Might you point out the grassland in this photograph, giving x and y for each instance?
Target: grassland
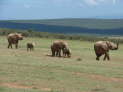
(22, 71)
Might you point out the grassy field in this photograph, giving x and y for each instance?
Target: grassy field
(22, 71)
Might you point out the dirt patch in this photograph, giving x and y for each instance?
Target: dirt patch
(104, 78)
(48, 55)
(15, 85)
(99, 77)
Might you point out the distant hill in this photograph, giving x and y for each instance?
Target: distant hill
(75, 26)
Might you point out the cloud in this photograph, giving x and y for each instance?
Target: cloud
(91, 2)
(114, 2)
(98, 2)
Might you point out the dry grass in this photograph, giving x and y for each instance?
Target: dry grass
(37, 71)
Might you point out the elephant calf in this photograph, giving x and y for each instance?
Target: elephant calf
(30, 46)
(103, 47)
(66, 52)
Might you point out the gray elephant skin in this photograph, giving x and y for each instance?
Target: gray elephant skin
(103, 47)
(57, 47)
(13, 38)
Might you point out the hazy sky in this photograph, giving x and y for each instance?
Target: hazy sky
(50, 9)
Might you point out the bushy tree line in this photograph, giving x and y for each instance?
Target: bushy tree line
(84, 37)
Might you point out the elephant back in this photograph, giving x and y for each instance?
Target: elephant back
(101, 45)
(60, 44)
(15, 36)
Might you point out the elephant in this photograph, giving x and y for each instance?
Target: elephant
(55, 50)
(30, 46)
(66, 52)
(57, 46)
(103, 47)
(13, 38)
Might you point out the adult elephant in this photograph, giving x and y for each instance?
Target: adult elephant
(13, 38)
(103, 47)
(57, 46)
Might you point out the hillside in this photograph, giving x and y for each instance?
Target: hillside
(84, 23)
(75, 26)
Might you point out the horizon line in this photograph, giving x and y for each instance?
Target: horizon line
(63, 18)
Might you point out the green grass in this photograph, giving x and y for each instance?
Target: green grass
(22, 71)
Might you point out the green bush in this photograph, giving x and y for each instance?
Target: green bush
(84, 37)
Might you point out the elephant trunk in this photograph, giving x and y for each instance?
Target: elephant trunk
(117, 46)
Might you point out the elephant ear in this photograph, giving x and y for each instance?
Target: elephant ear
(109, 45)
(19, 36)
(16, 35)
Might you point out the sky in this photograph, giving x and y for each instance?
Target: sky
(52, 9)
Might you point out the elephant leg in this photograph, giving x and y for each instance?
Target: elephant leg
(11, 46)
(105, 57)
(59, 52)
(53, 52)
(98, 56)
(63, 54)
(68, 55)
(107, 54)
(8, 45)
(16, 46)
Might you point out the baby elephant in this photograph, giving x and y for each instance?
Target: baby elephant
(30, 46)
(66, 52)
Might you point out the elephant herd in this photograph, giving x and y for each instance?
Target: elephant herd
(60, 47)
